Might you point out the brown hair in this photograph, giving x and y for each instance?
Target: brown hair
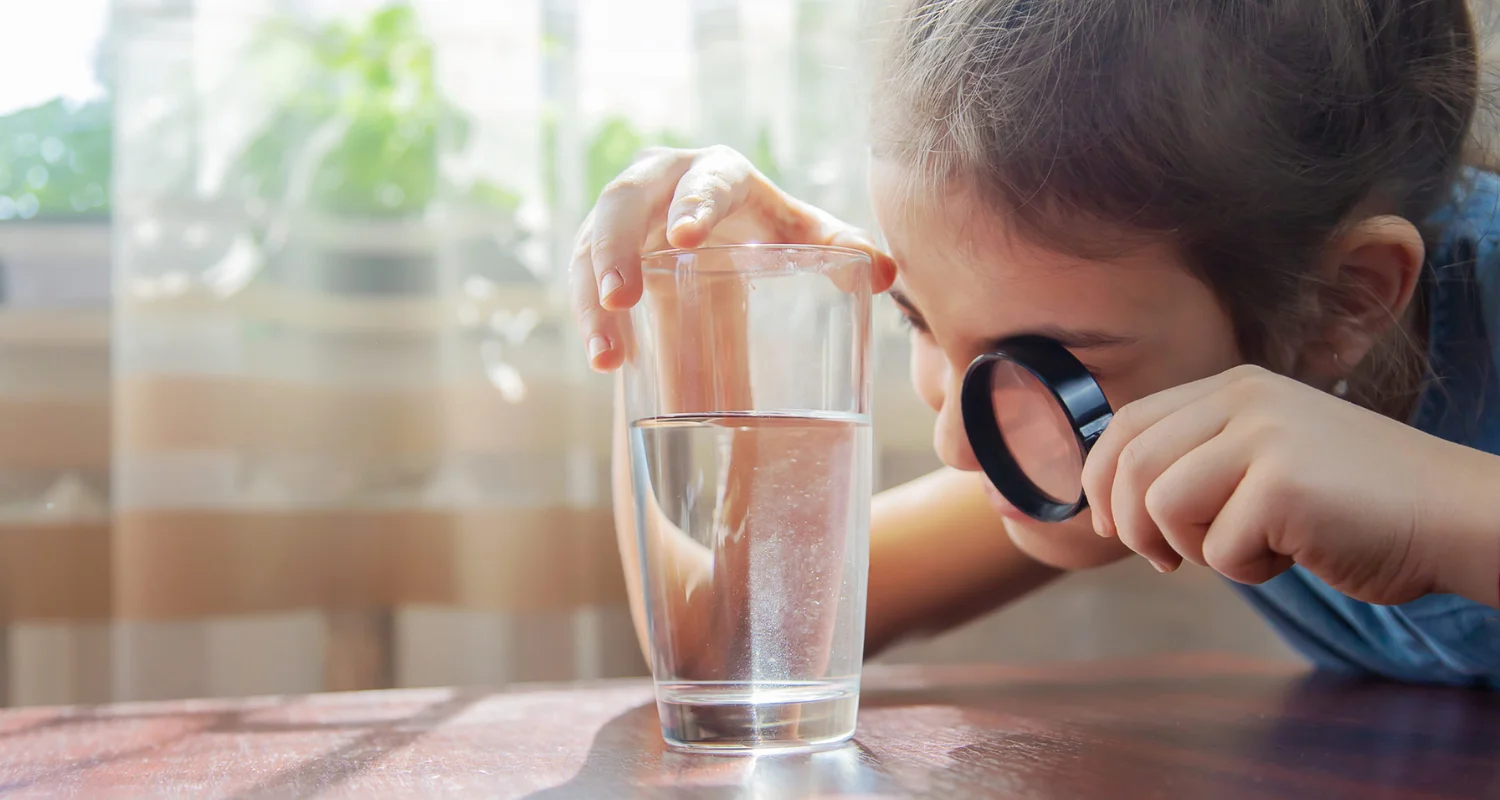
(1247, 131)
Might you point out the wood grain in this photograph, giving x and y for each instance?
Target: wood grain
(1184, 727)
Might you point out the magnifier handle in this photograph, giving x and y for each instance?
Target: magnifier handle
(1092, 431)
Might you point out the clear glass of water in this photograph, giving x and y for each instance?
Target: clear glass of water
(747, 386)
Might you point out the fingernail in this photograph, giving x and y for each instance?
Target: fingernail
(686, 219)
(609, 284)
(597, 346)
(1160, 567)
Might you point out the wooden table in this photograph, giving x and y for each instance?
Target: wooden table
(1186, 727)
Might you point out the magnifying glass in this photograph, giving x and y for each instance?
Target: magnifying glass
(1032, 412)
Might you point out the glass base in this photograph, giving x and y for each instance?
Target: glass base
(784, 716)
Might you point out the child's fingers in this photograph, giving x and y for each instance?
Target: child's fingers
(1190, 494)
(623, 218)
(883, 267)
(1145, 458)
(1236, 545)
(1129, 422)
(600, 329)
(717, 185)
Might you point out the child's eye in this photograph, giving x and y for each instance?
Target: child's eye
(912, 323)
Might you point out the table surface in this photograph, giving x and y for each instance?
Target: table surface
(1181, 727)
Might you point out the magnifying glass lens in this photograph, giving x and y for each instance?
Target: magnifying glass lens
(1036, 431)
(1031, 412)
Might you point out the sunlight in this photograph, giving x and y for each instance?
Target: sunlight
(51, 53)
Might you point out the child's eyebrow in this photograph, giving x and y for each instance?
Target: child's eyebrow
(1073, 339)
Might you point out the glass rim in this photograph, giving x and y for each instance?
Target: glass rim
(765, 246)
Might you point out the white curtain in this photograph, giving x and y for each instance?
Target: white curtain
(340, 433)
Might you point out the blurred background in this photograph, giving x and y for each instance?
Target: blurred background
(290, 398)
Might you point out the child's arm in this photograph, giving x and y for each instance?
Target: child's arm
(940, 556)
(1469, 530)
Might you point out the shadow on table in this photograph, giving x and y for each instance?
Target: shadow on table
(371, 740)
(1222, 737)
(629, 759)
(1397, 740)
(354, 757)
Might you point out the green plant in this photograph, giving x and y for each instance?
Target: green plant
(362, 123)
(55, 161)
(763, 155)
(614, 145)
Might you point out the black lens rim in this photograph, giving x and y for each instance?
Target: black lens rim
(1072, 387)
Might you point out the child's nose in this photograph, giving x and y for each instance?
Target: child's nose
(949, 438)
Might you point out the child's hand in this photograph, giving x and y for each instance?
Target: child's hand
(1248, 472)
(685, 198)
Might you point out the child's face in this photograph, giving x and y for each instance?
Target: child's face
(1141, 323)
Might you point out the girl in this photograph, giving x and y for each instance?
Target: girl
(1251, 222)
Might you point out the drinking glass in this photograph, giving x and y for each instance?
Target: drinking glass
(747, 392)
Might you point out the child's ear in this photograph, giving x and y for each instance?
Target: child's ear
(1371, 277)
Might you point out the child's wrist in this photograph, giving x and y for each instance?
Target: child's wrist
(1468, 531)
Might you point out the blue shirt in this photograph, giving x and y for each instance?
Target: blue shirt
(1441, 639)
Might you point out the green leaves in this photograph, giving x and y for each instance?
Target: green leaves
(763, 156)
(358, 130)
(614, 145)
(368, 119)
(55, 161)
